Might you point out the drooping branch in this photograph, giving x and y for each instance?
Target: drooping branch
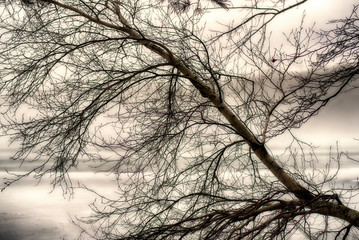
(258, 148)
(172, 76)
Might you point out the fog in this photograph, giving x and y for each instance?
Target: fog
(34, 210)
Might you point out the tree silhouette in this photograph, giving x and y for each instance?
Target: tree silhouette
(145, 90)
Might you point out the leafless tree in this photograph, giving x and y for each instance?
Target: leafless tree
(184, 110)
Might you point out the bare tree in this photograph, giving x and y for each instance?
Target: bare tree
(146, 90)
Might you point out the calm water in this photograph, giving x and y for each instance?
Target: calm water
(49, 212)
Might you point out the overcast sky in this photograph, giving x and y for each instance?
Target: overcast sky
(338, 120)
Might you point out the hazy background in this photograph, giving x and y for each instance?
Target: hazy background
(32, 210)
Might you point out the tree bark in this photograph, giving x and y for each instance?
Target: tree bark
(316, 204)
